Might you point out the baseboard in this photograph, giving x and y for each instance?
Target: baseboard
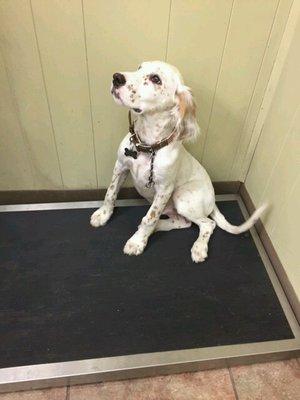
(273, 256)
(53, 196)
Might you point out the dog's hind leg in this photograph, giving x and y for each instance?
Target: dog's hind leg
(195, 205)
(200, 247)
(174, 221)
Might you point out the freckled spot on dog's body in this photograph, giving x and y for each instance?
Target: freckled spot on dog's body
(153, 214)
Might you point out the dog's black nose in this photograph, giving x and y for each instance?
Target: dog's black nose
(118, 80)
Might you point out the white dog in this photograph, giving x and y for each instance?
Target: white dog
(162, 169)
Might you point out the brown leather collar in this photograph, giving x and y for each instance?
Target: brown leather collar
(146, 148)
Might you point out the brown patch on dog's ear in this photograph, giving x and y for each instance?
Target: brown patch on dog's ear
(182, 104)
(187, 113)
(193, 108)
(186, 104)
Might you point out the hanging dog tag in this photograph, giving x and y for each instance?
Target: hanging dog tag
(130, 153)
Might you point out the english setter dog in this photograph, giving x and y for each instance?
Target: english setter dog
(163, 171)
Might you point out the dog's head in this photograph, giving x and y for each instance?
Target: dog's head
(155, 87)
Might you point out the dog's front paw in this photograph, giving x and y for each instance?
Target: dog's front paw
(100, 216)
(134, 246)
(199, 252)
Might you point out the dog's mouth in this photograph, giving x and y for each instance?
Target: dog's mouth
(115, 93)
(117, 96)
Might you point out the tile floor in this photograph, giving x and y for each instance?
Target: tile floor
(269, 381)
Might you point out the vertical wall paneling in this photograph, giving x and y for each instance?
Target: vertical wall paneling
(277, 124)
(286, 169)
(15, 169)
(248, 34)
(286, 41)
(196, 41)
(119, 35)
(248, 135)
(59, 28)
(285, 236)
(60, 56)
(20, 52)
(274, 173)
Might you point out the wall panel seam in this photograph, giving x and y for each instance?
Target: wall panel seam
(89, 90)
(168, 30)
(46, 95)
(253, 93)
(217, 81)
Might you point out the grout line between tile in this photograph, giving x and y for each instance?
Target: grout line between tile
(68, 393)
(233, 383)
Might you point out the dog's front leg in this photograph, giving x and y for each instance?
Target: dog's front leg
(137, 243)
(102, 215)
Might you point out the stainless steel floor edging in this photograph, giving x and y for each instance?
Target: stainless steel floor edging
(140, 365)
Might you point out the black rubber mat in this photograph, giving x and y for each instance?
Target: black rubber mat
(67, 292)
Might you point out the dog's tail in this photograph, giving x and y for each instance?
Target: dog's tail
(221, 221)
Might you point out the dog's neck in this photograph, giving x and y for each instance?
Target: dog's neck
(154, 127)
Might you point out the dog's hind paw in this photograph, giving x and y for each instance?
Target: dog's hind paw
(199, 252)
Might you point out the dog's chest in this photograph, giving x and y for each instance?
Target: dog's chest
(140, 172)
(140, 167)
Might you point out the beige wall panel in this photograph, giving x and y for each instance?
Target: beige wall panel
(284, 173)
(60, 33)
(120, 34)
(274, 174)
(277, 124)
(60, 64)
(15, 170)
(286, 236)
(238, 169)
(249, 30)
(196, 41)
(21, 57)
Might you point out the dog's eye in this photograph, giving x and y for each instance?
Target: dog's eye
(155, 79)
(139, 67)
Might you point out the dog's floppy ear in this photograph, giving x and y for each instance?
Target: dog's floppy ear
(188, 126)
